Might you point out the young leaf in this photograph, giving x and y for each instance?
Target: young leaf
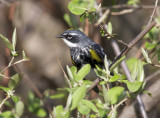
(77, 7)
(133, 86)
(104, 90)
(68, 20)
(83, 109)
(117, 63)
(77, 96)
(5, 89)
(24, 55)
(7, 42)
(89, 104)
(109, 28)
(41, 113)
(114, 78)
(58, 111)
(83, 72)
(14, 81)
(15, 99)
(74, 72)
(150, 46)
(14, 40)
(114, 113)
(114, 94)
(57, 96)
(145, 54)
(69, 100)
(19, 108)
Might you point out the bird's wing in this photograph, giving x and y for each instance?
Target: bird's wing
(97, 54)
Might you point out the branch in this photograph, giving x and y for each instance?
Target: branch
(135, 41)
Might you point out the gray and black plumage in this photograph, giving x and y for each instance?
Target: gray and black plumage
(83, 50)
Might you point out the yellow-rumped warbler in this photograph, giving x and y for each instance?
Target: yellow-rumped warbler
(83, 50)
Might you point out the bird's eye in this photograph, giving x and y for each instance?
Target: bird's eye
(69, 36)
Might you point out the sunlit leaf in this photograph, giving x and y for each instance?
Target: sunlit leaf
(57, 96)
(109, 28)
(113, 94)
(19, 108)
(77, 7)
(83, 109)
(89, 104)
(133, 86)
(83, 72)
(7, 42)
(77, 96)
(145, 54)
(15, 99)
(14, 39)
(15, 80)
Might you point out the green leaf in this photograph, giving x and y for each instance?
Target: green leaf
(41, 113)
(69, 100)
(68, 20)
(133, 86)
(6, 114)
(149, 94)
(19, 108)
(77, 96)
(59, 112)
(14, 39)
(104, 90)
(83, 109)
(57, 96)
(130, 62)
(114, 113)
(133, 2)
(5, 89)
(83, 72)
(89, 104)
(109, 28)
(136, 68)
(24, 55)
(114, 94)
(7, 42)
(145, 54)
(77, 7)
(114, 78)
(74, 71)
(15, 80)
(106, 65)
(150, 46)
(15, 99)
(117, 63)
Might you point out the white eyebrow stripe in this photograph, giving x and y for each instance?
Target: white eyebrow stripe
(69, 43)
(73, 33)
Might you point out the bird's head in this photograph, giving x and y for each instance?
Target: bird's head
(74, 38)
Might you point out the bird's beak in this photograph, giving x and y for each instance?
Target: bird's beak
(59, 36)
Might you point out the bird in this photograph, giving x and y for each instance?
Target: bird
(83, 51)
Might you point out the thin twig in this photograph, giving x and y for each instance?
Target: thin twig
(135, 41)
(126, 11)
(117, 105)
(151, 17)
(124, 6)
(65, 75)
(1, 75)
(4, 101)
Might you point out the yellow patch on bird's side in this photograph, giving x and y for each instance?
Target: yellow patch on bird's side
(95, 56)
(72, 61)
